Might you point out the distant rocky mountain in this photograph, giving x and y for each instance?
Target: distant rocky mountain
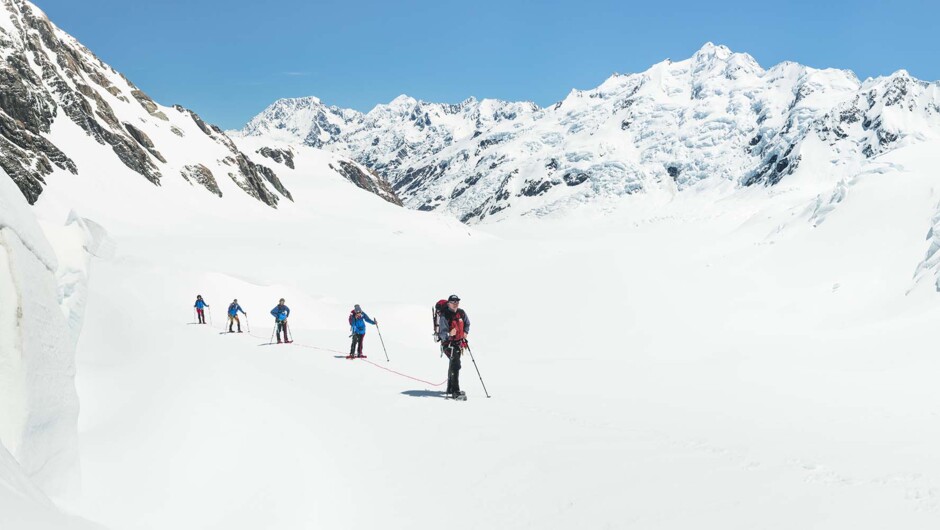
(717, 116)
(47, 76)
(54, 90)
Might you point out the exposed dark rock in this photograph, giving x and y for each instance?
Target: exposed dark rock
(148, 105)
(471, 180)
(538, 187)
(415, 177)
(885, 137)
(673, 172)
(271, 177)
(144, 141)
(200, 174)
(852, 115)
(281, 156)
(250, 180)
(367, 181)
(201, 124)
(774, 168)
(575, 178)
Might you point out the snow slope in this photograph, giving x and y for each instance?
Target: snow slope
(694, 360)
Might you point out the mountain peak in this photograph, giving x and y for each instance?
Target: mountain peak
(403, 100)
(711, 50)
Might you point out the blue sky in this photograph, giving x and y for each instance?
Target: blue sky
(228, 60)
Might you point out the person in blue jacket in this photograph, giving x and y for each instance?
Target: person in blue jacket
(200, 309)
(357, 325)
(233, 310)
(280, 313)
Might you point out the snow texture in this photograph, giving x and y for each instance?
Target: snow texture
(38, 401)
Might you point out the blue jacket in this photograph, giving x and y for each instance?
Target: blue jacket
(280, 312)
(200, 304)
(358, 325)
(234, 308)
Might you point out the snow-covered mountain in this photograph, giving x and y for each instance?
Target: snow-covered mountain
(55, 93)
(717, 116)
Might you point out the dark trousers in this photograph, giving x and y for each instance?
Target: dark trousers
(281, 326)
(202, 316)
(356, 339)
(452, 350)
(235, 320)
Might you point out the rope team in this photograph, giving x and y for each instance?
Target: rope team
(451, 328)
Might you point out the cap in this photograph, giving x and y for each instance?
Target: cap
(453, 298)
(357, 308)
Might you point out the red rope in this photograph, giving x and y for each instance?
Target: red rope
(344, 353)
(403, 375)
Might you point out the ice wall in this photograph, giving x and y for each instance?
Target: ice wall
(38, 401)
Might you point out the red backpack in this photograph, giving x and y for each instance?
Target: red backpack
(436, 313)
(456, 323)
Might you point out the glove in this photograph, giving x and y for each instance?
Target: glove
(376, 321)
(452, 332)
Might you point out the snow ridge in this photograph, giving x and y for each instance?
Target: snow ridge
(717, 116)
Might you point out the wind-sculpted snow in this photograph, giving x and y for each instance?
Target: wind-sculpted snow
(38, 401)
(717, 116)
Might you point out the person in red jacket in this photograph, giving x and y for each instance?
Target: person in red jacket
(452, 326)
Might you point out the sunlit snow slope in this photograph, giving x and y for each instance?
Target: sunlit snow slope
(679, 361)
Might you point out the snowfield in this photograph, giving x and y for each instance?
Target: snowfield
(702, 359)
(703, 296)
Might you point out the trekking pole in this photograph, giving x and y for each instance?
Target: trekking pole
(478, 370)
(273, 331)
(434, 321)
(247, 325)
(287, 333)
(195, 316)
(377, 328)
(210, 318)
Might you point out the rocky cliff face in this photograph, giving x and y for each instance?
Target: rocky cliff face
(718, 116)
(46, 76)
